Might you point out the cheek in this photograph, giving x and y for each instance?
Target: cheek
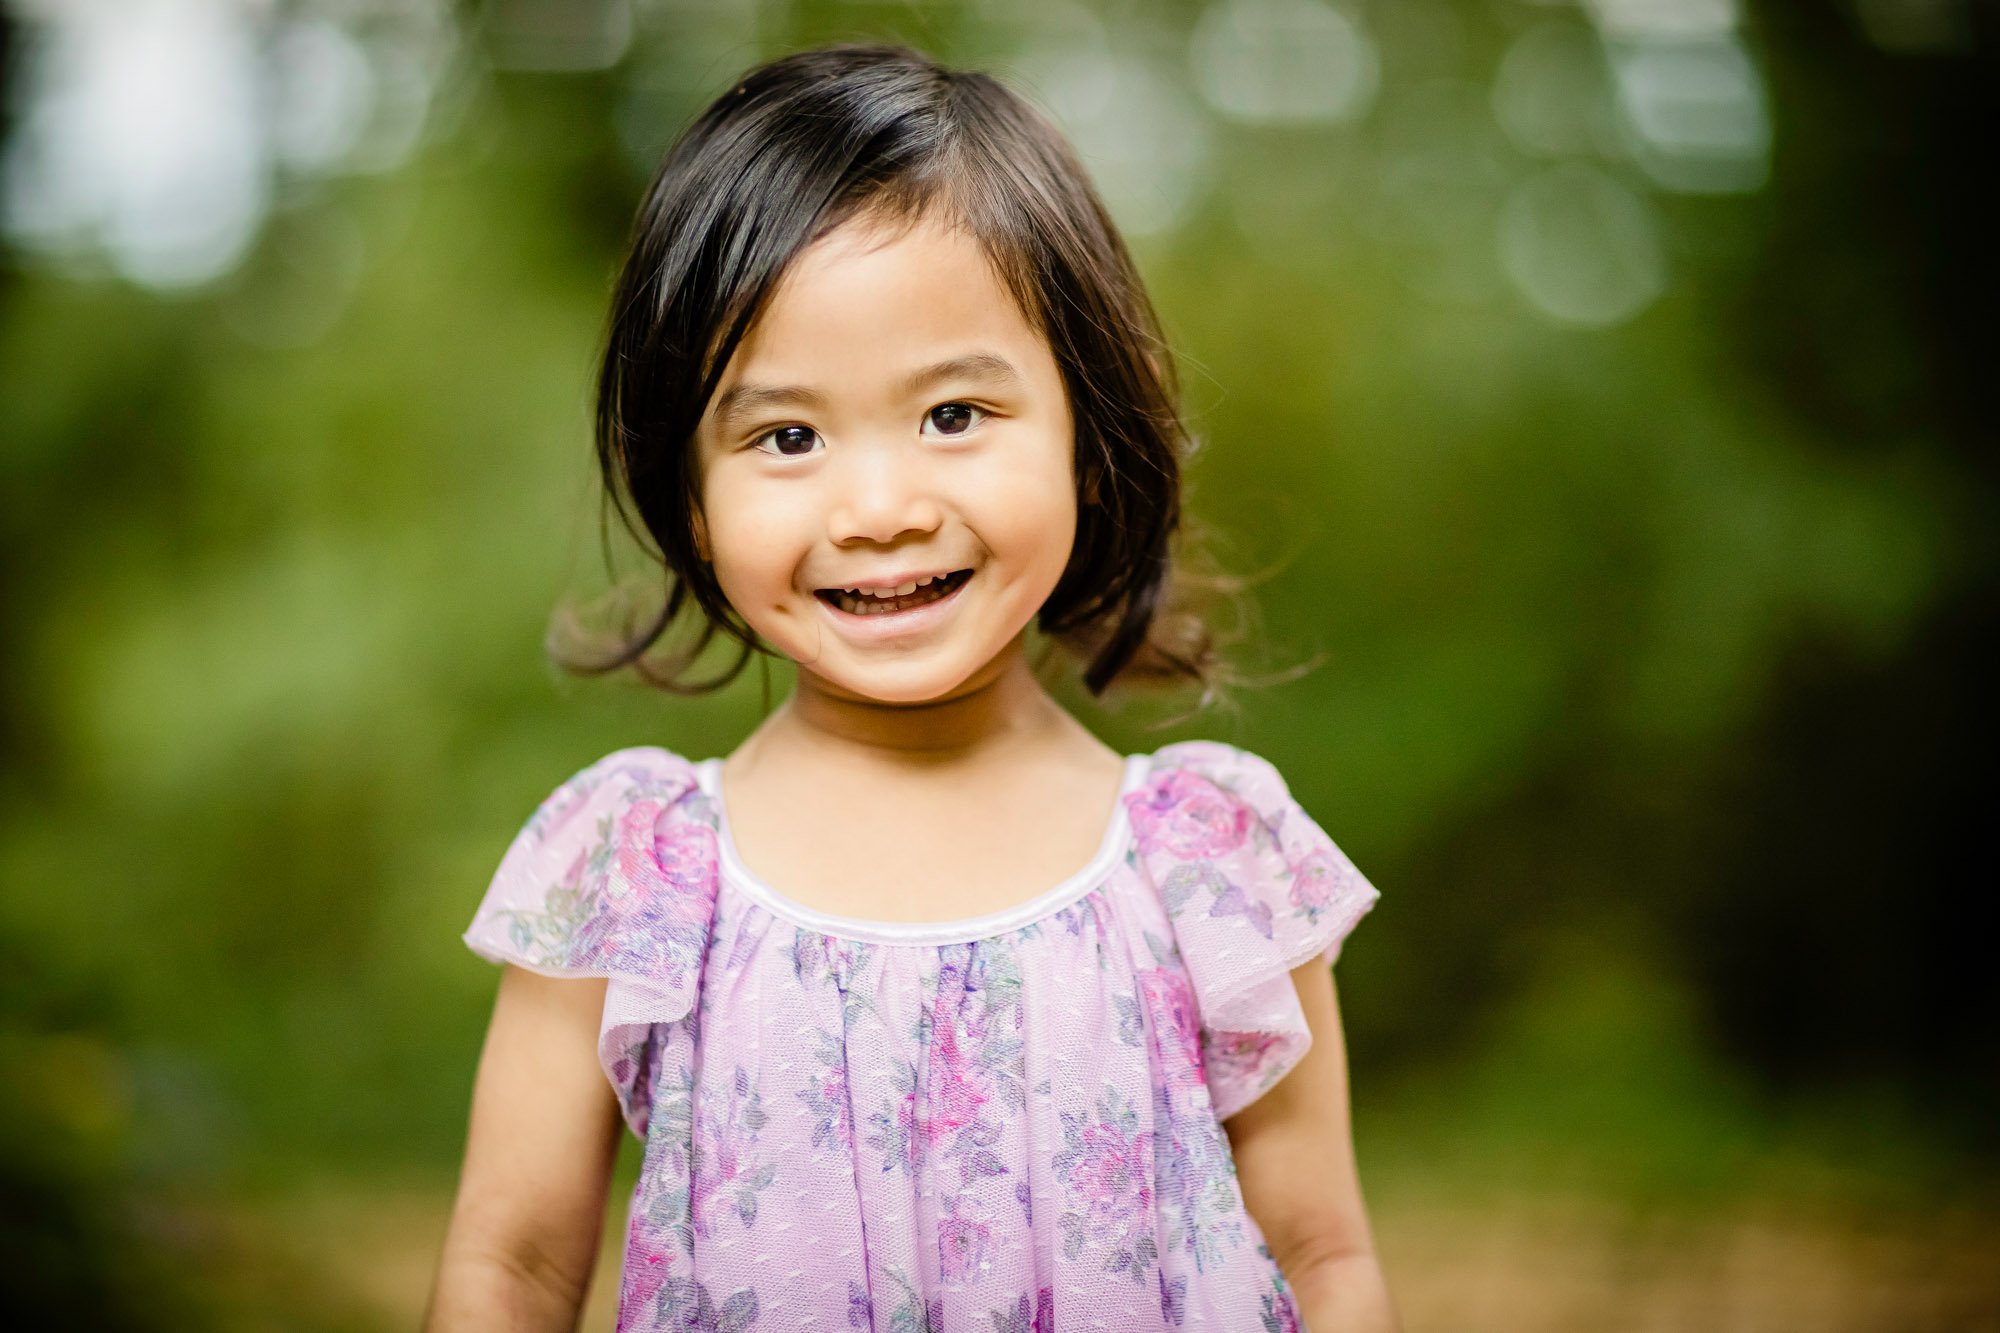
(751, 544)
(1027, 518)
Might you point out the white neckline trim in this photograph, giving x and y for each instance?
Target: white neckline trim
(708, 775)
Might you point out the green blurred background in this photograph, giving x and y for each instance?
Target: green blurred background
(1603, 390)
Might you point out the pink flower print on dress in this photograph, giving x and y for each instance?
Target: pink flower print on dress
(658, 903)
(674, 869)
(958, 1086)
(1237, 1056)
(634, 849)
(1187, 816)
(1106, 1171)
(1314, 880)
(974, 1064)
(963, 1242)
(1176, 1023)
(647, 1268)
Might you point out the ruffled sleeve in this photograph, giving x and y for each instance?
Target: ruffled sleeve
(1254, 889)
(613, 876)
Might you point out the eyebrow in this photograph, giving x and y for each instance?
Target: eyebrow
(988, 366)
(744, 400)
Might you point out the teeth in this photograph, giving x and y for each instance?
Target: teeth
(882, 600)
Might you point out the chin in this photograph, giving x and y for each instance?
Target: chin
(904, 684)
(907, 692)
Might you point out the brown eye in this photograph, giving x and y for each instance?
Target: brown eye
(951, 419)
(790, 441)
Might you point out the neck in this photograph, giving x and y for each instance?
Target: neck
(1002, 703)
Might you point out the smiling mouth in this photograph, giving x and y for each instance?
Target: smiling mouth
(879, 601)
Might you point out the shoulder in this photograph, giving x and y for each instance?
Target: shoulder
(1201, 798)
(643, 769)
(1253, 888)
(1203, 801)
(613, 875)
(1247, 776)
(621, 779)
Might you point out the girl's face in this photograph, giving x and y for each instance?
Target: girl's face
(887, 494)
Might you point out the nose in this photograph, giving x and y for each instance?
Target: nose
(883, 495)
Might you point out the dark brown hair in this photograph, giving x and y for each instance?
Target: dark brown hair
(796, 148)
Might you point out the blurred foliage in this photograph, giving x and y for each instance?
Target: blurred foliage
(1655, 656)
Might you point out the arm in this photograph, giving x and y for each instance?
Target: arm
(1295, 1163)
(524, 1232)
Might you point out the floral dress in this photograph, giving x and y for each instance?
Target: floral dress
(1008, 1124)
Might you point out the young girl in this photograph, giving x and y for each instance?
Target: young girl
(882, 387)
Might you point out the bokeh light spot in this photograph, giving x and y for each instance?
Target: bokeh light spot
(141, 135)
(1145, 142)
(1283, 61)
(154, 134)
(1552, 93)
(1443, 176)
(323, 92)
(1696, 112)
(1582, 248)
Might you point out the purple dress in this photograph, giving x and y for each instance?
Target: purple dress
(1007, 1124)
